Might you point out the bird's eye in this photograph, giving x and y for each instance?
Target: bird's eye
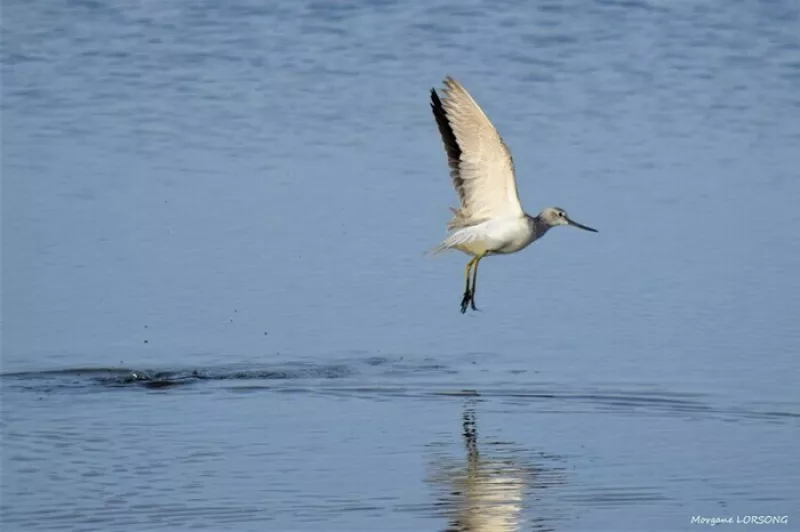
(561, 213)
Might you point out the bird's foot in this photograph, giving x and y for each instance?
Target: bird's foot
(472, 302)
(465, 301)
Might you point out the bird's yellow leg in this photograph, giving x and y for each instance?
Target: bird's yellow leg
(477, 259)
(467, 271)
(467, 292)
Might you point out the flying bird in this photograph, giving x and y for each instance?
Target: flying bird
(490, 220)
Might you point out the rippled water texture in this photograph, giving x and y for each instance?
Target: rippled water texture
(217, 312)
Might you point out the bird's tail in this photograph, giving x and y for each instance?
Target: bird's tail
(460, 232)
(439, 249)
(445, 245)
(454, 239)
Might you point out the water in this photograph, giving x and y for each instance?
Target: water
(217, 313)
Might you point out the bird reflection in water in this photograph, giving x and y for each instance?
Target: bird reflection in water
(485, 494)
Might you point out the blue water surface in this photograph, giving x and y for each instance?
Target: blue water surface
(218, 312)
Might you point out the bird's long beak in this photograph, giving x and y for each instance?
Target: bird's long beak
(580, 226)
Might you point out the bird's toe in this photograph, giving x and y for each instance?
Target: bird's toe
(465, 302)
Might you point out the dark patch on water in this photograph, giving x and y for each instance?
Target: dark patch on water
(383, 378)
(125, 377)
(120, 377)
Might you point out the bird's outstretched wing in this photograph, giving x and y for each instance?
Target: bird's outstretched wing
(480, 163)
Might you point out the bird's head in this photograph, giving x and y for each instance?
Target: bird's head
(554, 216)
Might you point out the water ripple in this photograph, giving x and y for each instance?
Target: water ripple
(382, 378)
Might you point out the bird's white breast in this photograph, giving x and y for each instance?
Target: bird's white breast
(515, 234)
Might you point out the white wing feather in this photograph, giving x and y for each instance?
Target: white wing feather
(481, 165)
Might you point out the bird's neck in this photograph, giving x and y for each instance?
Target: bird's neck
(537, 225)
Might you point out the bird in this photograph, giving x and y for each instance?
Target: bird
(490, 219)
